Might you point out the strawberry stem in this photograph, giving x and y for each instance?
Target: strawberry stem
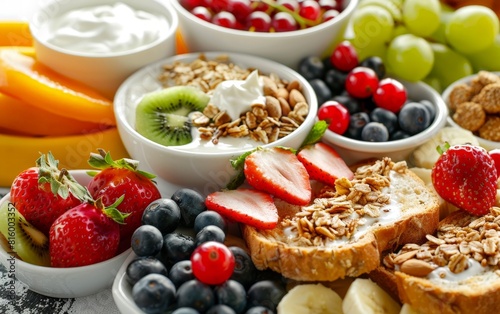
(103, 160)
(112, 210)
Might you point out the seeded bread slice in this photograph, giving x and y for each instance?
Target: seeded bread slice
(474, 290)
(408, 212)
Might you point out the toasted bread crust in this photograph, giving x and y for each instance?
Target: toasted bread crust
(477, 294)
(271, 249)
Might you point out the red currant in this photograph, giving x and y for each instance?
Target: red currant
(292, 5)
(361, 82)
(330, 14)
(191, 4)
(224, 19)
(241, 9)
(344, 56)
(310, 9)
(336, 115)
(495, 155)
(202, 13)
(329, 5)
(259, 21)
(284, 22)
(390, 94)
(212, 263)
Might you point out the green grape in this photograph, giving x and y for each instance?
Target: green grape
(472, 28)
(449, 65)
(421, 16)
(487, 59)
(399, 30)
(409, 57)
(372, 24)
(369, 48)
(439, 34)
(434, 83)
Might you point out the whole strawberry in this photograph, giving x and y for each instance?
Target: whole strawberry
(86, 234)
(122, 178)
(42, 193)
(466, 176)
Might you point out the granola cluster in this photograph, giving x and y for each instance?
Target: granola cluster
(284, 111)
(476, 106)
(338, 212)
(452, 247)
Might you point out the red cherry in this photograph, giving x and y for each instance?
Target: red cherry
(495, 155)
(361, 82)
(344, 56)
(212, 263)
(336, 115)
(390, 94)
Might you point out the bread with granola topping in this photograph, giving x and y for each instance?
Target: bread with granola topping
(455, 271)
(344, 231)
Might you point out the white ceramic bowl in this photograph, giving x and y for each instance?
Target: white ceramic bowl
(204, 171)
(287, 48)
(353, 151)
(72, 282)
(487, 144)
(102, 71)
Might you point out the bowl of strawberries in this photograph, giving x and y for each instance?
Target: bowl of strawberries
(65, 233)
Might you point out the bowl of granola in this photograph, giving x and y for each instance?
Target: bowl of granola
(474, 105)
(185, 117)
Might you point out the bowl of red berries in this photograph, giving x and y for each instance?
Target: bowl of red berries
(65, 234)
(370, 113)
(284, 31)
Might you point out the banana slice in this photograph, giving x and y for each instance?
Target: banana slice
(312, 299)
(366, 297)
(425, 155)
(407, 309)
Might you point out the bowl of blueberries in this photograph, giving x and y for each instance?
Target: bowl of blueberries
(187, 259)
(369, 113)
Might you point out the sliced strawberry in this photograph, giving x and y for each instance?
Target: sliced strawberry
(247, 206)
(279, 172)
(466, 176)
(323, 163)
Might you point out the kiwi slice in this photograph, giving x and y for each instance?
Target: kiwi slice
(163, 116)
(23, 239)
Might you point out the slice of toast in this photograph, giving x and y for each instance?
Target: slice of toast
(344, 231)
(455, 271)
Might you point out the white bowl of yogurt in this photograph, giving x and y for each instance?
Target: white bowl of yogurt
(101, 42)
(202, 164)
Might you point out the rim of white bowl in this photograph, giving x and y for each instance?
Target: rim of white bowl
(119, 100)
(172, 19)
(446, 95)
(413, 141)
(345, 12)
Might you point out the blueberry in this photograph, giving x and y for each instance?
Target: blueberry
(335, 80)
(207, 218)
(357, 122)
(147, 240)
(191, 203)
(162, 213)
(232, 294)
(154, 293)
(375, 132)
(209, 233)
(185, 310)
(376, 64)
(327, 63)
(220, 309)
(322, 91)
(142, 266)
(266, 293)
(258, 310)
(244, 269)
(195, 294)
(414, 118)
(181, 272)
(431, 108)
(386, 117)
(176, 247)
(311, 67)
(399, 135)
(352, 104)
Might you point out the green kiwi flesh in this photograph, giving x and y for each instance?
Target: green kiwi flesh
(29, 243)
(163, 116)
